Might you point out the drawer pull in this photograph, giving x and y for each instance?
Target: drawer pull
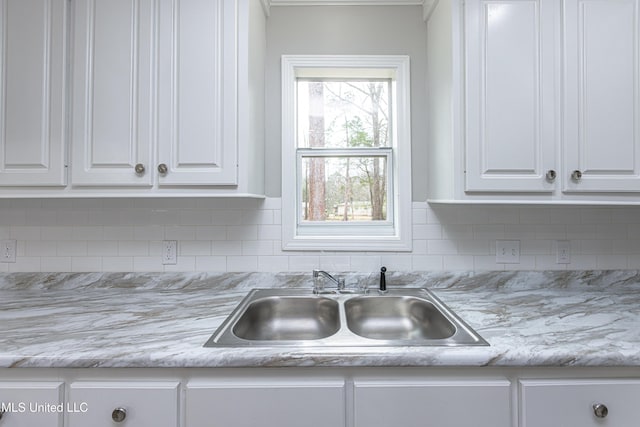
(119, 414)
(600, 410)
(576, 175)
(163, 169)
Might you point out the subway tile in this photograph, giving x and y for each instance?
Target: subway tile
(86, 264)
(426, 262)
(242, 263)
(211, 263)
(273, 264)
(458, 262)
(335, 263)
(180, 232)
(118, 263)
(194, 248)
(269, 232)
(55, 264)
(257, 247)
(133, 248)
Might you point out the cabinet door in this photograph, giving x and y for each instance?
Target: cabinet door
(602, 95)
(113, 92)
(419, 403)
(571, 403)
(276, 403)
(198, 90)
(511, 100)
(32, 85)
(31, 404)
(99, 404)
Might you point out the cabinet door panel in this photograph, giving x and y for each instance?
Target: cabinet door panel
(309, 403)
(432, 403)
(197, 138)
(511, 57)
(31, 404)
(570, 403)
(602, 85)
(113, 92)
(146, 404)
(32, 84)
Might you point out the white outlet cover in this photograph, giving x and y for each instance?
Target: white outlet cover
(8, 251)
(508, 251)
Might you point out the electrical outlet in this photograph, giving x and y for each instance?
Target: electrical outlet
(8, 251)
(169, 252)
(563, 252)
(508, 251)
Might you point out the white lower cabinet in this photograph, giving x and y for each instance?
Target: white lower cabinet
(579, 402)
(433, 403)
(31, 404)
(300, 402)
(127, 403)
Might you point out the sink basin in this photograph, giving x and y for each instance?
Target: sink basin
(297, 317)
(397, 317)
(288, 318)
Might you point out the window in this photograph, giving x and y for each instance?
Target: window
(346, 156)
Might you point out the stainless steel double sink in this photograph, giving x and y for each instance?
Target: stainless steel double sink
(297, 317)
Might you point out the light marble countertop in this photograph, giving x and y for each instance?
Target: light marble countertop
(162, 320)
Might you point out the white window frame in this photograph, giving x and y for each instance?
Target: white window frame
(393, 235)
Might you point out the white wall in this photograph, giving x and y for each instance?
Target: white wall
(390, 30)
(244, 235)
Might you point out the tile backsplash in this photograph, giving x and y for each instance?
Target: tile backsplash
(218, 235)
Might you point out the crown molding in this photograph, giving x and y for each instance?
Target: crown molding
(428, 7)
(266, 6)
(270, 3)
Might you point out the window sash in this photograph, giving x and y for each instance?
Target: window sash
(355, 228)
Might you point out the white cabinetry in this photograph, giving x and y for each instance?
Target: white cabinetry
(113, 91)
(511, 51)
(534, 101)
(129, 403)
(437, 403)
(165, 97)
(197, 138)
(306, 402)
(585, 403)
(32, 92)
(602, 95)
(31, 404)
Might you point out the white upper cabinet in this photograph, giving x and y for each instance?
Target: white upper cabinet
(510, 94)
(602, 95)
(534, 101)
(32, 92)
(198, 86)
(113, 77)
(164, 98)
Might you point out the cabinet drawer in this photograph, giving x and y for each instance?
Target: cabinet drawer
(31, 404)
(445, 403)
(277, 403)
(99, 404)
(547, 403)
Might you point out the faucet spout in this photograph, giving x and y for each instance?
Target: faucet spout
(338, 282)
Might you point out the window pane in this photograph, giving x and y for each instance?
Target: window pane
(343, 114)
(344, 189)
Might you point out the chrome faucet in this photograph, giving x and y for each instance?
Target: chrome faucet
(339, 282)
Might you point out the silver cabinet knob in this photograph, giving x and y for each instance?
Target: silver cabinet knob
(119, 414)
(600, 410)
(551, 175)
(576, 175)
(162, 168)
(139, 169)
